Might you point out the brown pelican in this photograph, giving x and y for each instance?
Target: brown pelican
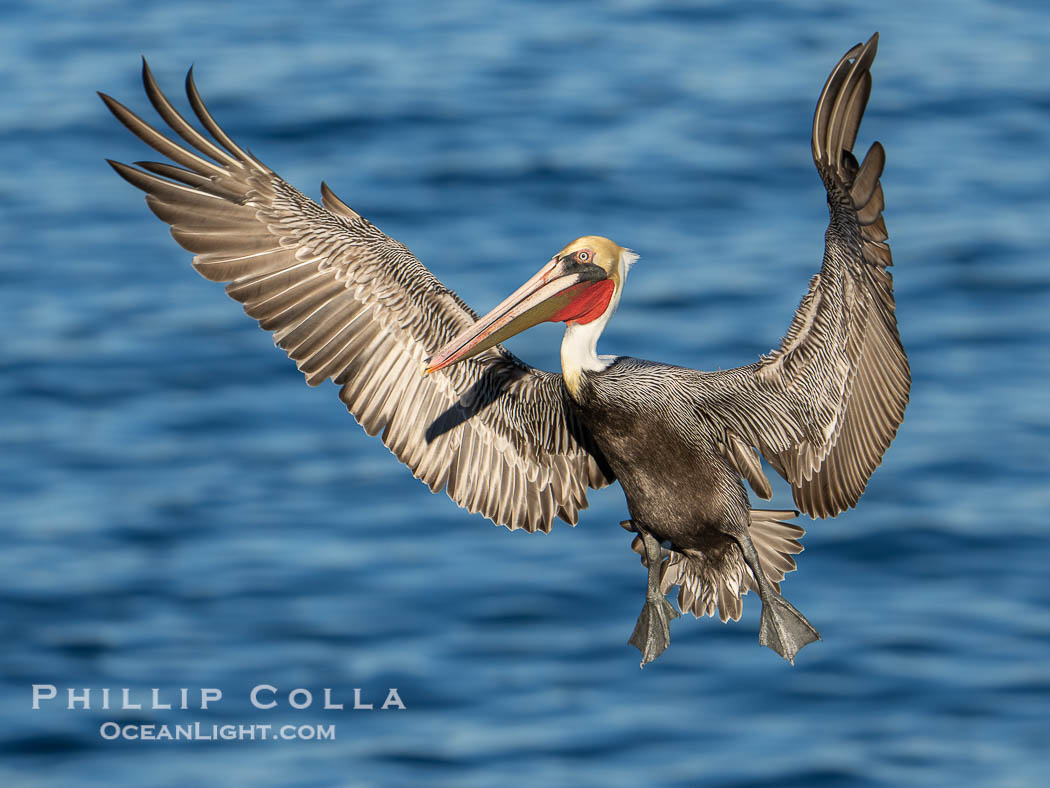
(520, 445)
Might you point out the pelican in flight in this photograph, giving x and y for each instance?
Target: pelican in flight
(415, 365)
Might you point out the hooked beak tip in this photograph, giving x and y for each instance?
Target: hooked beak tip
(429, 366)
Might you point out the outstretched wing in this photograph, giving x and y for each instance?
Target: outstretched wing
(350, 304)
(824, 407)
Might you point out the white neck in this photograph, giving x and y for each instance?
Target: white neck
(579, 349)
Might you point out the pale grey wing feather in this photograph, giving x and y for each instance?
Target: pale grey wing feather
(349, 304)
(824, 407)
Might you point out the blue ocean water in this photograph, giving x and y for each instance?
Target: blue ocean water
(179, 510)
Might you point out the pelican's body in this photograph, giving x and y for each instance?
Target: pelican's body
(521, 445)
(647, 419)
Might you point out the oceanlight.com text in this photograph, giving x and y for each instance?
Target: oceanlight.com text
(197, 731)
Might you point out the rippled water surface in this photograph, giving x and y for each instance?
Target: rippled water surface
(179, 510)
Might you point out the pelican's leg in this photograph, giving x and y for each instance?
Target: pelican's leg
(652, 633)
(782, 628)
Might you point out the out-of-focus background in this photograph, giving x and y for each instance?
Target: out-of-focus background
(179, 510)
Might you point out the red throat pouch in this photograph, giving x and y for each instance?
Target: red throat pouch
(588, 306)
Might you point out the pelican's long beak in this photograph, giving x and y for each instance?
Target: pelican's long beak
(554, 293)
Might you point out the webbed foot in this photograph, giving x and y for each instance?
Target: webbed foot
(783, 628)
(652, 633)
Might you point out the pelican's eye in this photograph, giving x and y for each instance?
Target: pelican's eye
(583, 256)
